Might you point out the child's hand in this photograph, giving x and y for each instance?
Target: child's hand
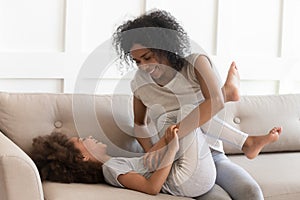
(170, 144)
(171, 137)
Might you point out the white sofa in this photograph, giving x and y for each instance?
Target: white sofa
(24, 116)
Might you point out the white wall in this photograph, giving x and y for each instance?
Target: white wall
(44, 44)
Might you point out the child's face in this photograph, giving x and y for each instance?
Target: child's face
(90, 148)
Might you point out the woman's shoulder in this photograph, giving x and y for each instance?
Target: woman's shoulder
(195, 60)
(193, 57)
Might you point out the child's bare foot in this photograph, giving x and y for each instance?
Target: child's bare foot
(232, 84)
(254, 144)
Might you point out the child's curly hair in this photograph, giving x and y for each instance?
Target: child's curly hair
(157, 30)
(58, 160)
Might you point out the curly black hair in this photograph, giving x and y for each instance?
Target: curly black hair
(58, 160)
(157, 30)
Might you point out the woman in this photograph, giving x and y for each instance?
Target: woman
(173, 86)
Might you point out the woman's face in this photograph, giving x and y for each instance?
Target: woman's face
(90, 148)
(148, 61)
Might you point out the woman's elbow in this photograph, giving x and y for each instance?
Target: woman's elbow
(221, 103)
(218, 103)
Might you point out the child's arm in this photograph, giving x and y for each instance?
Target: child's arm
(154, 184)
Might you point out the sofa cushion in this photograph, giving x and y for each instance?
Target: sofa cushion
(276, 173)
(256, 115)
(24, 116)
(55, 191)
(109, 118)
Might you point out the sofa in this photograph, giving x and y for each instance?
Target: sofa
(24, 116)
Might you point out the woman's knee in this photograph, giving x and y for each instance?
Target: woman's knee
(216, 193)
(249, 190)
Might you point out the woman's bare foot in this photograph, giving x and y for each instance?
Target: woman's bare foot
(254, 144)
(231, 86)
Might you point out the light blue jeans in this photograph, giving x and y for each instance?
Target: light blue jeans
(235, 180)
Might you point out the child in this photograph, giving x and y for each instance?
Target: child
(63, 159)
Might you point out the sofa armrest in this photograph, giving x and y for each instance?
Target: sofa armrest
(19, 177)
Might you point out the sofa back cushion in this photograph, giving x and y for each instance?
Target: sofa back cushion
(256, 115)
(109, 118)
(24, 116)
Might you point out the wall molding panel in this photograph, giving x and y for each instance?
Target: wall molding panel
(43, 45)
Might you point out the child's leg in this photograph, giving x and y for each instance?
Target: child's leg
(232, 84)
(218, 129)
(193, 173)
(235, 180)
(252, 144)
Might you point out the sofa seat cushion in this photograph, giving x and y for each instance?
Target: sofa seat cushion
(276, 173)
(59, 191)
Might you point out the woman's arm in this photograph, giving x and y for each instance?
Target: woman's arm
(143, 134)
(140, 124)
(212, 91)
(154, 184)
